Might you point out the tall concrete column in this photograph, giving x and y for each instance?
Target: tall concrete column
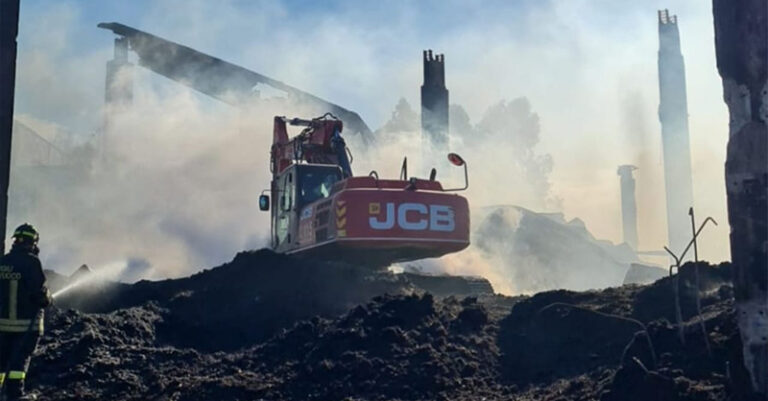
(434, 104)
(741, 42)
(628, 205)
(9, 30)
(673, 114)
(118, 90)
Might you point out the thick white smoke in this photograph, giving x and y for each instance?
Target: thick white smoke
(181, 193)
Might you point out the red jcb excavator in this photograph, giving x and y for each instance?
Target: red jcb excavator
(320, 210)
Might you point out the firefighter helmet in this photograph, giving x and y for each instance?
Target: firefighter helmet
(25, 233)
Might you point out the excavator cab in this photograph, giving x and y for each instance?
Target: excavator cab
(296, 187)
(321, 210)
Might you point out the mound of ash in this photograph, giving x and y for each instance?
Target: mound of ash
(540, 250)
(616, 344)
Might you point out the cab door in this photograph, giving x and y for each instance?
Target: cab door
(285, 215)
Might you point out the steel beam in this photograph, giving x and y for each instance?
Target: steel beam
(220, 79)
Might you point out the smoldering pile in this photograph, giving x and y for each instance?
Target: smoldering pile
(616, 344)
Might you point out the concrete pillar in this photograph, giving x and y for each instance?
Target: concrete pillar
(9, 29)
(434, 105)
(628, 205)
(673, 114)
(741, 29)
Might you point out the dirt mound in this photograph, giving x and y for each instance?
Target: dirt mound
(396, 347)
(668, 367)
(562, 340)
(658, 301)
(243, 302)
(393, 348)
(444, 285)
(117, 356)
(619, 344)
(558, 345)
(249, 299)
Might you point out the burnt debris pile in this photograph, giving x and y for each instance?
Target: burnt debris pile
(249, 299)
(392, 348)
(624, 344)
(163, 341)
(242, 302)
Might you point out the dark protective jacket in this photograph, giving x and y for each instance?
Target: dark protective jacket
(22, 292)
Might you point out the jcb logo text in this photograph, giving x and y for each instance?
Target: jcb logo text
(412, 216)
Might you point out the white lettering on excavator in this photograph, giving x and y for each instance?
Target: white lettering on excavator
(402, 216)
(386, 224)
(441, 218)
(415, 217)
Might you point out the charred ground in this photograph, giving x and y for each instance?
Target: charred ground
(239, 332)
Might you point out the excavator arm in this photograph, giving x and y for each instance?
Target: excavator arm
(320, 143)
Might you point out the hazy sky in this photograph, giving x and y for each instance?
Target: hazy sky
(588, 68)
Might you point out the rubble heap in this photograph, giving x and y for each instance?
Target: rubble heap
(616, 344)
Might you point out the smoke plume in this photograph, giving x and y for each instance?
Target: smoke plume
(546, 97)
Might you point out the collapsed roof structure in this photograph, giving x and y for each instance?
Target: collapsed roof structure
(220, 79)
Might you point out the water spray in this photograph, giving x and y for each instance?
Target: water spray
(110, 271)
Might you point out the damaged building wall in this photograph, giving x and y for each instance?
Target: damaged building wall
(741, 29)
(434, 104)
(673, 115)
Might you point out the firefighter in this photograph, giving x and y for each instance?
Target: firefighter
(23, 296)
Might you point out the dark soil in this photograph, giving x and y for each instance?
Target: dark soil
(616, 344)
(249, 299)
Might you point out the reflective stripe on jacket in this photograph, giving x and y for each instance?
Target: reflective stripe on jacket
(21, 284)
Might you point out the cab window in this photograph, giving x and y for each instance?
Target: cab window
(316, 183)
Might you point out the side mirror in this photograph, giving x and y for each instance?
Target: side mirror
(264, 202)
(456, 160)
